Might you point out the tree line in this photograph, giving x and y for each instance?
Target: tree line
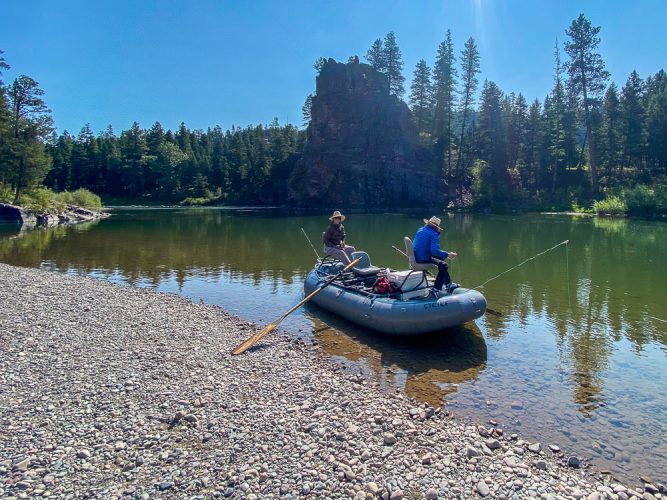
(241, 165)
(585, 140)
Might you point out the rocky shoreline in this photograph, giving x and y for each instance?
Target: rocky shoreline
(112, 391)
(72, 214)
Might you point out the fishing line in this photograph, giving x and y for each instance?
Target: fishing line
(311, 243)
(567, 267)
(521, 264)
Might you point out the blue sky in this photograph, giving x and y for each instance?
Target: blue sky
(216, 62)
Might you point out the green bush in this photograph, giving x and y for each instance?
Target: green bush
(65, 197)
(612, 205)
(646, 200)
(86, 199)
(40, 200)
(195, 201)
(580, 209)
(6, 194)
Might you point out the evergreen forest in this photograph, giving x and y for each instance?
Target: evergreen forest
(587, 145)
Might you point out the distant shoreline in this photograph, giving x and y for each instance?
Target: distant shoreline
(415, 210)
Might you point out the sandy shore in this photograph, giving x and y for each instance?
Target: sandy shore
(112, 391)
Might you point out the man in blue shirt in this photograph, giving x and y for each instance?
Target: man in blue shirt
(426, 245)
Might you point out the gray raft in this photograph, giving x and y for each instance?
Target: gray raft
(392, 315)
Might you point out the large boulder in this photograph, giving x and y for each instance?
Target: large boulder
(363, 149)
(16, 215)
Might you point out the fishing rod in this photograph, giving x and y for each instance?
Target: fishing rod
(311, 243)
(510, 269)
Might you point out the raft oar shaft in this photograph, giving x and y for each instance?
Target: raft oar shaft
(241, 348)
(400, 251)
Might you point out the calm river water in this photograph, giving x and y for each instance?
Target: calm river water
(575, 353)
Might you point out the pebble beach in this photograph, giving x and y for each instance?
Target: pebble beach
(111, 391)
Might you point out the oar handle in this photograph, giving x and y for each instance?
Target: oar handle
(399, 251)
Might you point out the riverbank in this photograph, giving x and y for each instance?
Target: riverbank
(70, 214)
(111, 391)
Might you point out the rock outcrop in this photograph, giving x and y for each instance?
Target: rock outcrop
(13, 214)
(363, 148)
(72, 214)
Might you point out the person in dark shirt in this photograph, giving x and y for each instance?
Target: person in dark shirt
(426, 245)
(334, 239)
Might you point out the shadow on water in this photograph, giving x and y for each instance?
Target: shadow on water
(426, 367)
(9, 230)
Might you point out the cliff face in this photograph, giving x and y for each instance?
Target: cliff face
(362, 146)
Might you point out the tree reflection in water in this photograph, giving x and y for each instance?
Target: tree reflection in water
(574, 346)
(616, 268)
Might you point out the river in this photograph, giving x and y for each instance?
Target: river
(573, 352)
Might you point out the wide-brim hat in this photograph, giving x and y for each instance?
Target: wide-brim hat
(337, 214)
(434, 221)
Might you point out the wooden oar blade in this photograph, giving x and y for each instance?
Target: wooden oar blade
(241, 348)
(247, 344)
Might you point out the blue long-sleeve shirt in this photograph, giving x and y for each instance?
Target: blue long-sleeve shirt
(426, 244)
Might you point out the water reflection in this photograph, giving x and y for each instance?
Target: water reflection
(427, 368)
(580, 337)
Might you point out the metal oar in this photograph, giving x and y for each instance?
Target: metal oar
(241, 348)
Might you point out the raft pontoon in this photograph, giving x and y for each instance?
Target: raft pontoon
(412, 310)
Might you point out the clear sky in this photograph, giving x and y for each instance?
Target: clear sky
(218, 62)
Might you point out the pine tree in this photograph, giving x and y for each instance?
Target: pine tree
(469, 71)
(610, 135)
(83, 164)
(530, 153)
(444, 85)
(491, 139)
(307, 106)
(30, 124)
(394, 65)
(376, 56)
(133, 149)
(421, 94)
(587, 77)
(5, 135)
(656, 122)
(155, 139)
(517, 114)
(632, 117)
(60, 175)
(3, 66)
(555, 115)
(319, 64)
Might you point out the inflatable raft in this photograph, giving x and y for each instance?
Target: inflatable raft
(412, 310)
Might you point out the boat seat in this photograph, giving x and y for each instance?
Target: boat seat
(412, 263)
(364, 267)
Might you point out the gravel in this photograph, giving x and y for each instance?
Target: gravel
(111, 391)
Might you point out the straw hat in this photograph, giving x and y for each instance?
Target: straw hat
(434, 221)
(337, 214)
